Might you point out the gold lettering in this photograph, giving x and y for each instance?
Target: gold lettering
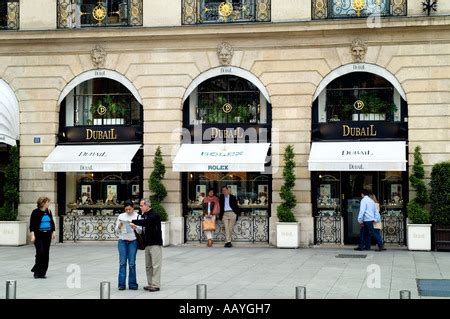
(373, 132)
(101, 135)
(345, 130)
(88, 134)
(240, 133)
(357, 132)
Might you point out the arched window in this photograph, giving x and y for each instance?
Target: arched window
(227, 99)
(101, 101)
(359, 96)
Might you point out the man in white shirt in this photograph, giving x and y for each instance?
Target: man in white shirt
(366, 217)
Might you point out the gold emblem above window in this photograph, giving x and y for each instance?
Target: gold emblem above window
(225, 9)
(226, 108)
(99, 12)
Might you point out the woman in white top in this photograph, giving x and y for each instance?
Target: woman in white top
(127, 247)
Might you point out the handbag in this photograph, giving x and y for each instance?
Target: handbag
(377, 225)
(208, 224)
(140, 241)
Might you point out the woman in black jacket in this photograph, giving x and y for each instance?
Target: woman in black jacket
(42, 228)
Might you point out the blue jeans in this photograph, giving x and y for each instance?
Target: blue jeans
(369, 232)
(127, 251)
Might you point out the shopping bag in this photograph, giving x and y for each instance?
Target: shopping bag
(209, 224)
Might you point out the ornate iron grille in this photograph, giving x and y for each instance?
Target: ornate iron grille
(393, 229)
(334, 9)
(251, 228)
(225, 11)
(81, 228)
(329, 229)
(91, 13)
(9, 15)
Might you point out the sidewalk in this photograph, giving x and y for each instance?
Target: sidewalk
(241, 272)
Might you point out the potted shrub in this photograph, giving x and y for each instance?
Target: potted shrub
(418, 227)
(288, 229)
(159, 192)
(440, 204)
(12, 231)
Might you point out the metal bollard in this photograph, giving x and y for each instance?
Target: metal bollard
(300, 292)
(405, 294)
(11, 289)
(201, 291)
(105, 288)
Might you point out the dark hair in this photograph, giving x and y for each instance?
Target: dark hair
(365, 192)
(211, 189)
(224, 187)
(128, 203)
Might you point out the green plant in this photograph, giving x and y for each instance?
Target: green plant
(285, 209)
(374, 104)
(156, 187)
(416, 207)
(114, 109)
(11, 187)
(440, 193)
(417, 214)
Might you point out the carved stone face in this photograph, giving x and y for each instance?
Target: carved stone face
(225, 53)
(359, 49)
(98, 55)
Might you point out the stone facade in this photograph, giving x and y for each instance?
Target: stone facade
(290, 59)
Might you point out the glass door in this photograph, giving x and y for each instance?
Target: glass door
(352, 184)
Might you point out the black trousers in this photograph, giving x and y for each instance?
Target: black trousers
(42, 244)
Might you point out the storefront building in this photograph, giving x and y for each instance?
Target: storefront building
(226, 140)
(359, 142)
(321, 75)
(98, 156)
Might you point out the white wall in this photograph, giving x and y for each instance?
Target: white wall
(290, 10)
(161, 13)
(37, 14)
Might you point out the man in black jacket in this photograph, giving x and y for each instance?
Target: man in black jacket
(151, 226)
(229, 211)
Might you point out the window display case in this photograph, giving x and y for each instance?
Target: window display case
(328, 196)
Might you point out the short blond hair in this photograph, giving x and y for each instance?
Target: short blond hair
(42, 200)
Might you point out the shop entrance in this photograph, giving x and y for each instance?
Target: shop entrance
(352, 184)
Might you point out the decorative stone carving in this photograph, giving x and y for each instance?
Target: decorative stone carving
(359, 50)
(225, 53)
(98, 55)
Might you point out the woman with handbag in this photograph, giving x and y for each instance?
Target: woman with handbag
(377, 226)
(211, 209)
(127, 246)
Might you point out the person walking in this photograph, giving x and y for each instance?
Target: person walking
(211, 208)
(42, 231)
(366, 217)
(229, 211)
(127, 246)
(377, 226)
(151, 228)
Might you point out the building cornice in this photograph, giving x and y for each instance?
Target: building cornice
(312, 33)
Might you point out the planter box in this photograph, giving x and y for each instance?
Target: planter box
(165, 230)
(419, 236)
(442, 237)
(288, 235)
(13, 233)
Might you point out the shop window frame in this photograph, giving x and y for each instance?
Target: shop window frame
(106, 13)
(10, 15)
(355, 9)
(225, 11)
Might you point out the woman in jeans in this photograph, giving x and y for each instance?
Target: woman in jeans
(127, 247)
(211, 209)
